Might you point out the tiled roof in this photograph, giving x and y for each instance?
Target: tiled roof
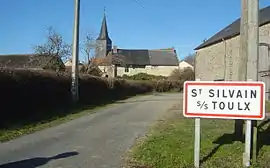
(234, 29)
(25, 61)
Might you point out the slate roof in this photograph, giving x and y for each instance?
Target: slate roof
(103, 34)
(234, 29)
(134, 57)
(25, 61)
(166, 57)
(163, 57)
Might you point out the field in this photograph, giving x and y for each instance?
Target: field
(170, 143)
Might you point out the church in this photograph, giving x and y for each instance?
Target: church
(114, 61)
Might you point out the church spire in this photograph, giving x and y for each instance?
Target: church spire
(103, 35)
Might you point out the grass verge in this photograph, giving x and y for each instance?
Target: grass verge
(169, 144)
(267, 104)
(30, 127)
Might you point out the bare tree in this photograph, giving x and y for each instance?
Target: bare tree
(55, 45)
(88, 49)
(190, 59)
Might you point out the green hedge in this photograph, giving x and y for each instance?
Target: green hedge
(32, 95)
(143, 76)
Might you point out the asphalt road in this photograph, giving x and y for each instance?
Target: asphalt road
(98, 140)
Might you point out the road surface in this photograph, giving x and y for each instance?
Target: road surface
(98, 140)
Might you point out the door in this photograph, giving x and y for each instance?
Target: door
(264, 67)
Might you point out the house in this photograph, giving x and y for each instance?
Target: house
(68, 65)
(183, 64)
(31, 62)
(218, 57)
(115, 61)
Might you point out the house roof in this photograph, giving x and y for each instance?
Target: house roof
(159, 57)
(134, 57)
(233, 29)
(25, 61)
(163, 57)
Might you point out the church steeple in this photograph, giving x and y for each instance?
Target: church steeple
(103, 34)
(104, 43)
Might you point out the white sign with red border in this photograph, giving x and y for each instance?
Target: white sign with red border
(224, 99)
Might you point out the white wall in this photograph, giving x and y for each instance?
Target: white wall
(152, 70)
(184, 64)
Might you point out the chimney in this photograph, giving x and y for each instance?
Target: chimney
(114, 49)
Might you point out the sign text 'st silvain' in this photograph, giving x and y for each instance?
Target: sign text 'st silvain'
(228, 100)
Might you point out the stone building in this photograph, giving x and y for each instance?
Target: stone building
(121, 62)
(218, 57)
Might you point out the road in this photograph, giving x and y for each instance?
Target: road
(97, 140)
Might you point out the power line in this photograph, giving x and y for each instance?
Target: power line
(138, 3)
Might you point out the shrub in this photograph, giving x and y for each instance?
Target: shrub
(31, 95)
(143, 76)
(183, 75)
(168, 85)
(91, 70)
(35, 95)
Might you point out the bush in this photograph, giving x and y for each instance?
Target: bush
(91, 70)
(35, 95)
(168, 85)
(143, 76)
(183, 75)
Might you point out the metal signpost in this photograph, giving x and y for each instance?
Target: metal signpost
(222, 100)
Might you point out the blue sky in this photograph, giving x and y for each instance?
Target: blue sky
(182, 24)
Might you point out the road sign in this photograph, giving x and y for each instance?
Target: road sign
(227, 100)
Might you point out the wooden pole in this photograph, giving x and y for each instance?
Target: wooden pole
(253, 58)
(242, 67)
(249, 53)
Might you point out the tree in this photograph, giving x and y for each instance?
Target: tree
(89, 46)
(185, 74)
(54, 46)
(190, 59)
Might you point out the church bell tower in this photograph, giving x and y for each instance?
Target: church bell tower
(103, 42)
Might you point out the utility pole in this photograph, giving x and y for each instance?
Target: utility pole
(253, 58)
(249, 54)
(75, 52)
(242, 68)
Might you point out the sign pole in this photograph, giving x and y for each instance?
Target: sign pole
(224, 100)
(247, 154)
(246, 157)
(197, 141)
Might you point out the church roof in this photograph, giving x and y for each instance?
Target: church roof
(103, 34)
(233, 29)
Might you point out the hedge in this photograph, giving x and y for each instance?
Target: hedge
(143, 76)
(32, 95)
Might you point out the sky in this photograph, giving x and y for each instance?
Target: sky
(132, 24)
